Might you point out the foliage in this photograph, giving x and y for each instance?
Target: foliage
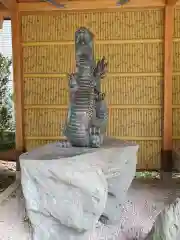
(147, 174)
(6, 115)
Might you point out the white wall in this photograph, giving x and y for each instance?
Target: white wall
(6, 43)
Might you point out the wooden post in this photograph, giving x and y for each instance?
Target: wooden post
(1, 21)
(17, 76)
(166, 158)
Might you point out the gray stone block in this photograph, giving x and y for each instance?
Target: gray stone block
(167, 224)
(66, 189)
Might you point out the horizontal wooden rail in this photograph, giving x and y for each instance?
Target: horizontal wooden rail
(110, 106)
(104, 42)
(115, 74)
(125, 138)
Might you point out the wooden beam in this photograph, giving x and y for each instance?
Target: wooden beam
(2, 7)
(89, 4)
(1, 21)
(28, 1)
(4, 12)
(17, 76)
(8, 3)
(166, 160)
(178, 3)
(171, 2)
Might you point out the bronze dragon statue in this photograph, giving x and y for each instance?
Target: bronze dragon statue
(87, 115)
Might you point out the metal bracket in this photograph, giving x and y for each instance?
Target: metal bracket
(121, 2)
(54, 3)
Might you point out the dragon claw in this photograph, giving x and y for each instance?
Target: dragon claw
(101, 68)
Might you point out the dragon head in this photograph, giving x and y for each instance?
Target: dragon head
(83, 36)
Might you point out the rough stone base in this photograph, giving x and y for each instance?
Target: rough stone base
(167, 224)
(67, 190)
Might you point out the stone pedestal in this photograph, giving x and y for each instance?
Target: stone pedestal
(68, 190)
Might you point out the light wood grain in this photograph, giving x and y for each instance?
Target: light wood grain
(17, 68)
(168, 70)
(89, 4)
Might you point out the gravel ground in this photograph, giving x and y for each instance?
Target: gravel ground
(144, 201)
(7, 174)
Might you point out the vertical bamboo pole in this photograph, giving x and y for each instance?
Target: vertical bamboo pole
(17, 76)
(166, 158)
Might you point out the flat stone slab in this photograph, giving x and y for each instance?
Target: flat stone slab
(110, 166)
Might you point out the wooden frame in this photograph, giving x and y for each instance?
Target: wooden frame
(34, 5)
(166, 158)
(18, 81)
(4, 12)
(171, 2)
(88, 4)
(7, 3)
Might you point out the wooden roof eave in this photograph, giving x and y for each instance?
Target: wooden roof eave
(37, 5)
(87, 5)
(171, 2)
